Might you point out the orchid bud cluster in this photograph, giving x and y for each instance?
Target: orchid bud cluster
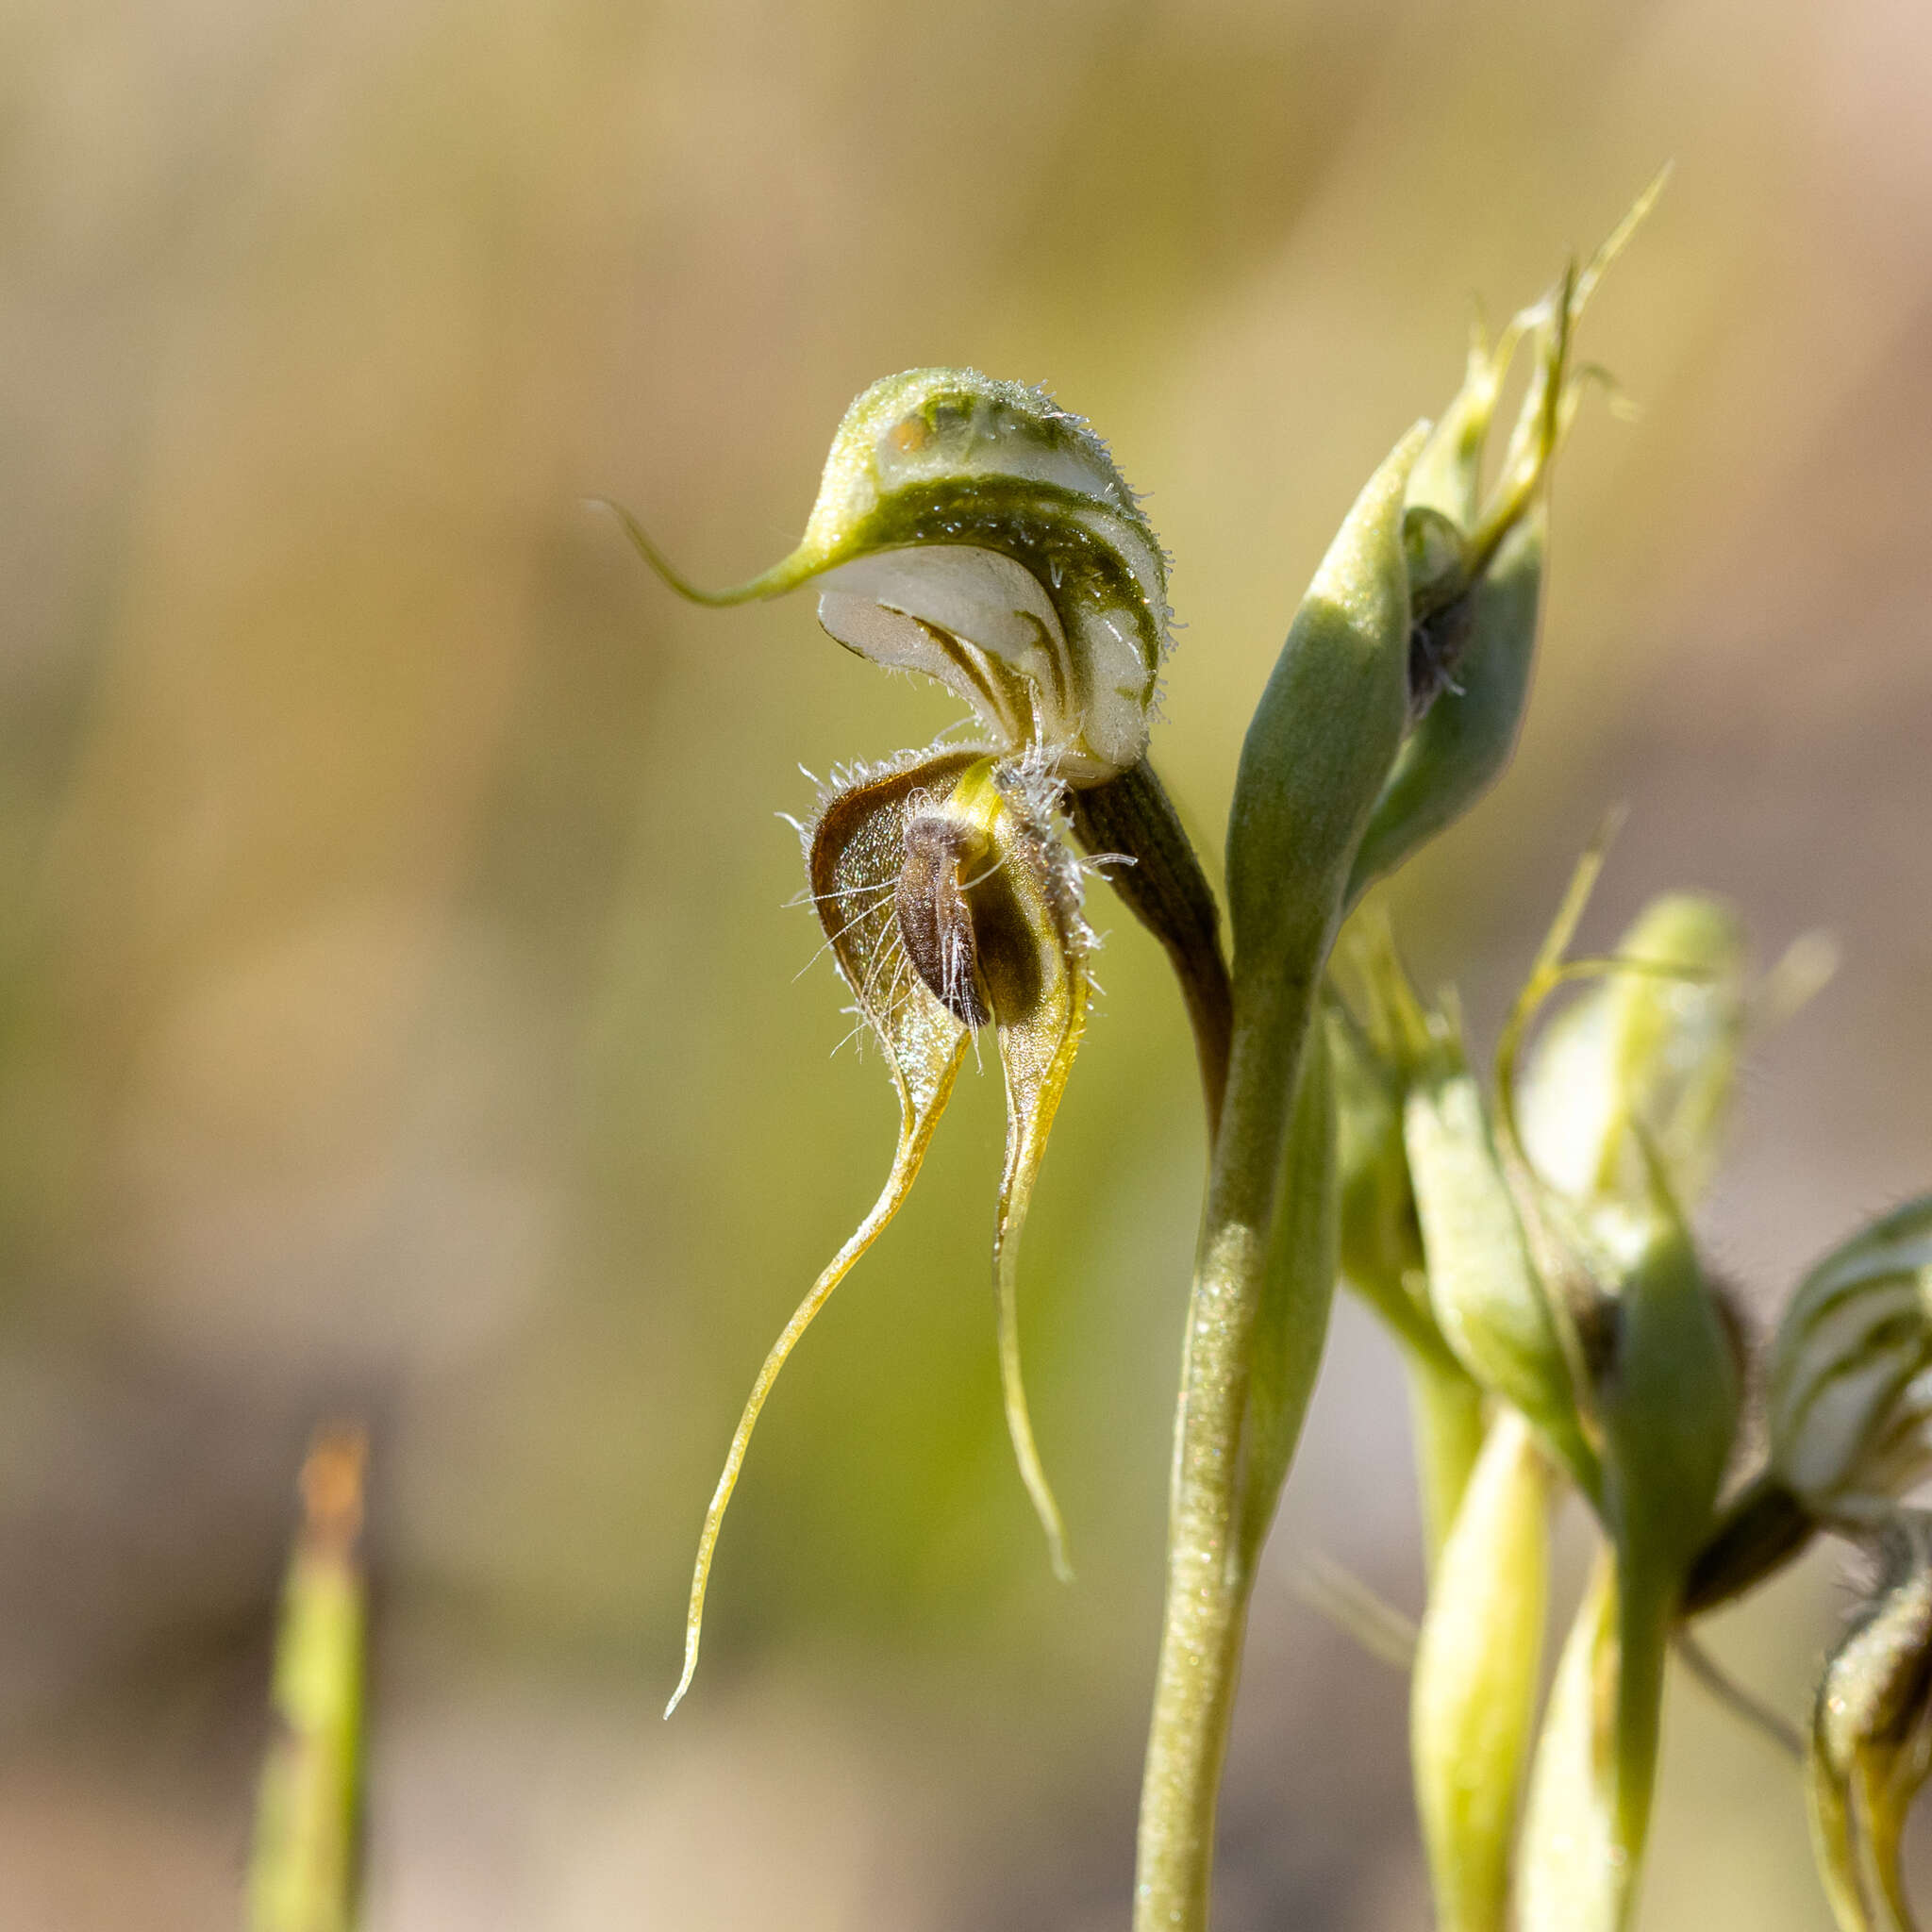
(1536, 1236)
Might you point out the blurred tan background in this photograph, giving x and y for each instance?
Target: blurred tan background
(397, 997)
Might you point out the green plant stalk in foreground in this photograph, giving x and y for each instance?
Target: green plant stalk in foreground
(302, 1864)
(1297, 825)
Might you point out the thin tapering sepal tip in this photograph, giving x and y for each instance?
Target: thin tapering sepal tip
(690, 1665)
(783, 576)
(914, 1135)
(1026, 1451)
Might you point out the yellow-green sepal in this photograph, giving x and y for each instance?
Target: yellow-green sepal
(1573, 1876)
(1653, 1049)
(1491, 1302)
(1473, 1692)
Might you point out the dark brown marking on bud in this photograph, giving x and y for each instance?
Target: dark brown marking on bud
(935, 921)
(1436, 645)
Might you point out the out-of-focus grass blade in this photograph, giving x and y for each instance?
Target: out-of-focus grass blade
(302, 1870)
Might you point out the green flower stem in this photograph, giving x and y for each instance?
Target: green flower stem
(1132, 817)
(1321, 744)
(1207, 1584)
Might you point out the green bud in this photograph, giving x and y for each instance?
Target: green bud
(1491, 1302)
(1476, 570)
(1473, 1694)
(1850, 1371)
(1872, 1736)
(1662, 1374)
(1381, 1237)
(949, 904)
(1653, 1049)
(1320, 745)
(972, 531)
(302, 1868)
(1462, 746)
(1668, 1402)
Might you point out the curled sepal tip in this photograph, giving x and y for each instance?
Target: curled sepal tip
(972, 531)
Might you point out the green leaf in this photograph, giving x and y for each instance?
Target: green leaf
(1296, 1295)
(1668, 1402)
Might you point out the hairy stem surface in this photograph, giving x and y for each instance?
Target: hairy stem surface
(1207, 1584)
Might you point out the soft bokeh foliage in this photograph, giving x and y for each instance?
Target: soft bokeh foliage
(396, 1000)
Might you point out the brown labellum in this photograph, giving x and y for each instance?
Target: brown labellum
(935, 920)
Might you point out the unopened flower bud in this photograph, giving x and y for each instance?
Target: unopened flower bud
(1651, 1050)
(1667, 1400)
(1476, 571)
(1381, 1241)
(1321, 742)
(1851, 1370)
(1495, 1309)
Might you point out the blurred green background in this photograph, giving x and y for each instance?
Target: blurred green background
(397, 996)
